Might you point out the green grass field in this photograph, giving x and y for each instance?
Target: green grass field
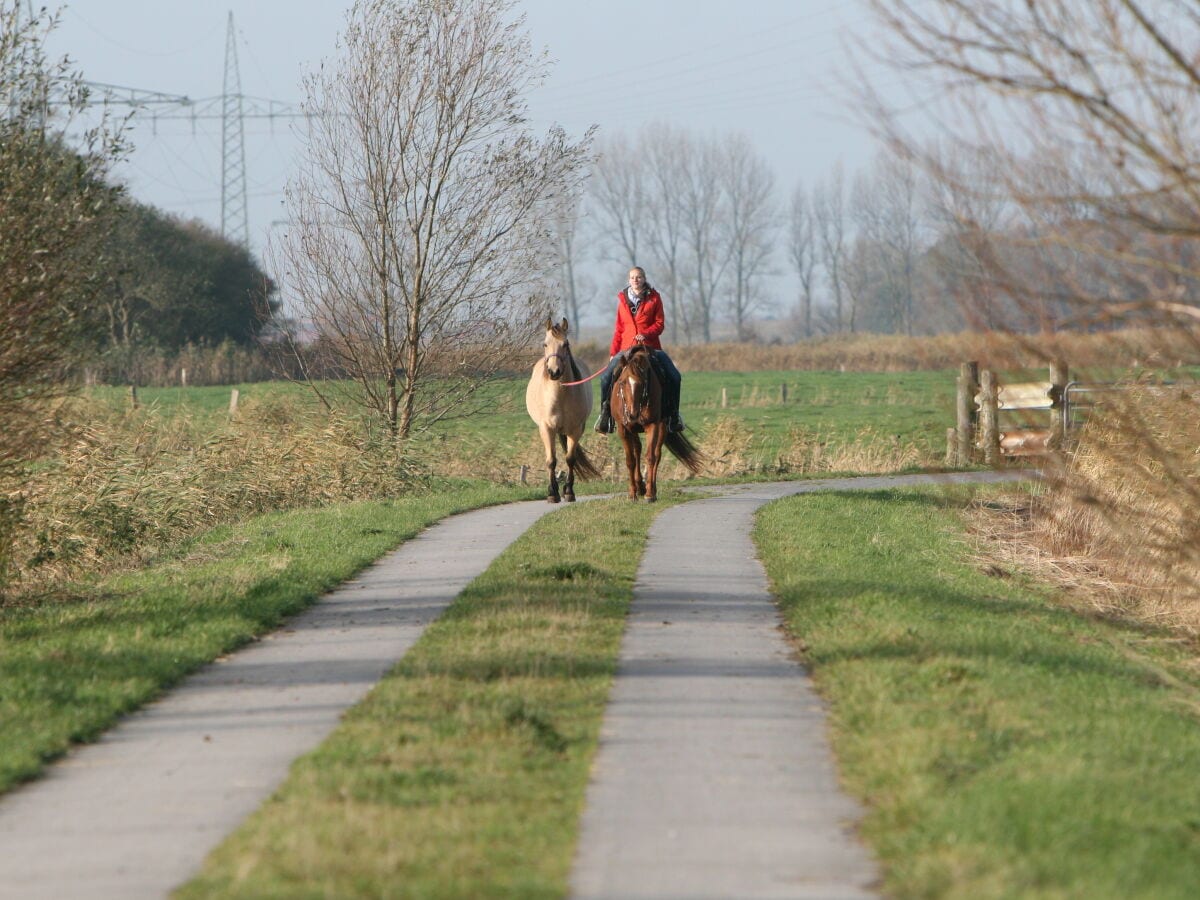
(908, 409)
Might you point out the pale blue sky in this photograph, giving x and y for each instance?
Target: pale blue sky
(765, 68)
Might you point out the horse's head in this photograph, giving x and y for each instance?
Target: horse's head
(557, 350)
(637, 389)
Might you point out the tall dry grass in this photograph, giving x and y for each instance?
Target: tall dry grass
(1117, 521)
(733, 450)
(897, 353)
(126, 484)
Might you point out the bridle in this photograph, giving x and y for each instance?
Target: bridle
(642, 399)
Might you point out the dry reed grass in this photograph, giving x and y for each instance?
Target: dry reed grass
(733, 450)
(898, 353)
(127, 484)
(1116, 524)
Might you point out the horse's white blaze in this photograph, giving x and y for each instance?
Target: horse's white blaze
(633, 383)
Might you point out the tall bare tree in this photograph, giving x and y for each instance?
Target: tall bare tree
(618, 194)
(1088, 114)
(662, 148)
(704, 210)
(420, 247)
(752, 222)
(802, 252)
(829, 216)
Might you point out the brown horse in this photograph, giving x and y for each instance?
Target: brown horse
(560, 412)
(636, 403)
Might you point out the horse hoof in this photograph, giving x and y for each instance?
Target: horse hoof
(551, 499)
(651, 499)
(570, 498)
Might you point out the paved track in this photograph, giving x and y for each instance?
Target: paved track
(713, 777)
(134, 814)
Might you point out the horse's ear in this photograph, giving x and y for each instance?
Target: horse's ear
(564, 325)
(549, 323)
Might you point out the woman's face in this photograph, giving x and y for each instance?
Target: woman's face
(636, 280)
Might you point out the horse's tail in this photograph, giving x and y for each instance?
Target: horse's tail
(584, 467)
(686, 452)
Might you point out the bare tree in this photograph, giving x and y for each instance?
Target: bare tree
(829, 215)
(802, 252)
(1088, 115)
(571, 281)
(703, 214)
(751, 226)
(884, 208)
(420, 247)
(662, 148)
(618, 193)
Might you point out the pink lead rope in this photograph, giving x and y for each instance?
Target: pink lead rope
(584, 380)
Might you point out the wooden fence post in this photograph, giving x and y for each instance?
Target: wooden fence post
(724, 399)
(967, 415)
(1059, 379)
(133, 398)
(524, 474)
(989, 419)
(233, 400)
(783, 393)
(952, 448)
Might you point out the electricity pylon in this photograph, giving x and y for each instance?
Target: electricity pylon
(234, 221)
(232, 107)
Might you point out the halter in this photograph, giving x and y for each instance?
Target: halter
(558, 354)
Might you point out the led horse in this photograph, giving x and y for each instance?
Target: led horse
(560, 412)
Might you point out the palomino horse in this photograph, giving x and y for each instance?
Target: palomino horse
(560, 411)
(636, 404)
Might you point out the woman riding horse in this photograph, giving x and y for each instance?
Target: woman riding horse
(640, 321)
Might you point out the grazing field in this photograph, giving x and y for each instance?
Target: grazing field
(772, 423)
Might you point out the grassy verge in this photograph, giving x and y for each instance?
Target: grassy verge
(463, 773)
(1006, 747)
(71, 663)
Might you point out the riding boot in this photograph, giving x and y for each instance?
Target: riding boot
(604, 424)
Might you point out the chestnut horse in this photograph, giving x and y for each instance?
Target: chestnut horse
(636, 404)
(560, 412)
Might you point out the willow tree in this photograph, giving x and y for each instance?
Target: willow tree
(418, 247)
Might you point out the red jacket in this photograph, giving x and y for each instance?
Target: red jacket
(648, 322)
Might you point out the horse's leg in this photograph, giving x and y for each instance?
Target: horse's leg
(551, 462)
(641, 484)
(654, 440)
(632, 460)
(568, 446)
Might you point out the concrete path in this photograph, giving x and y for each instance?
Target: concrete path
(714, 777)
(135, 814)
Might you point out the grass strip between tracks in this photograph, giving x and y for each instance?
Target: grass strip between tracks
(1004, 746)
(463, 773)
(71, 663)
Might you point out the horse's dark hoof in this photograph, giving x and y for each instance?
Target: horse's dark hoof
(551, 499)
(570, 498)
(651, 499)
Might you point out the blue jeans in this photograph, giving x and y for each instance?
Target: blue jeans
(664, 368)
